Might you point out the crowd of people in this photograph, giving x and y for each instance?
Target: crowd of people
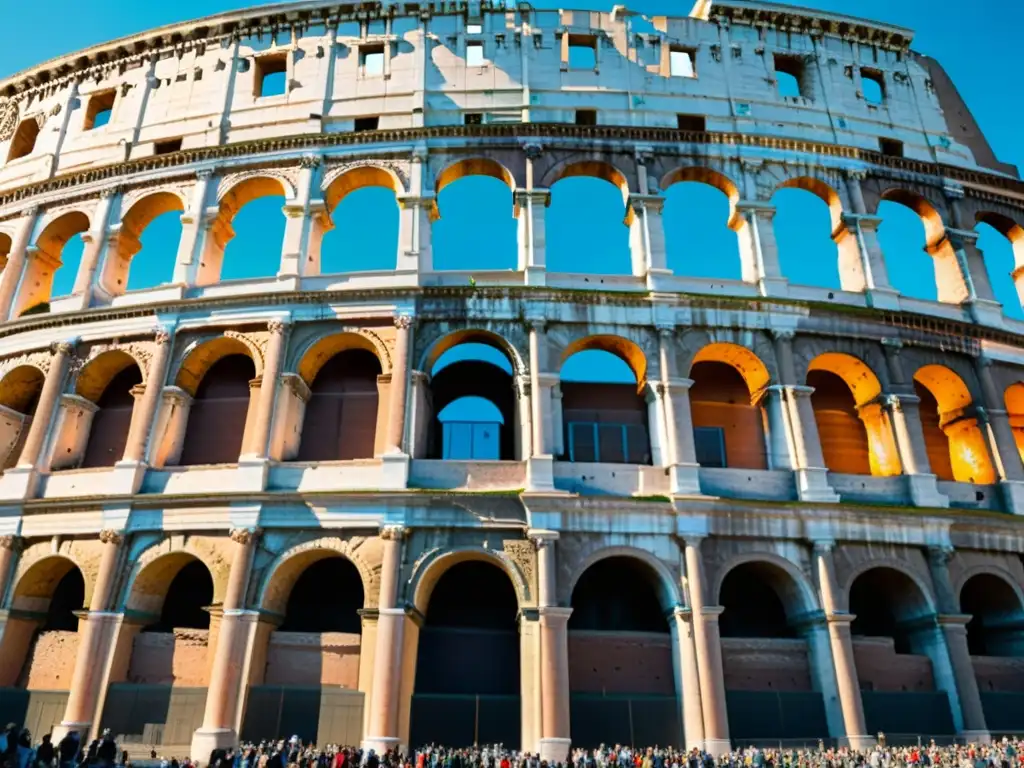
(17, 750)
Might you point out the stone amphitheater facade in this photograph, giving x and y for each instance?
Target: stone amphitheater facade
(225, 510)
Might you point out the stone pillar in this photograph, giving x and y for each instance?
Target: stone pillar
(847, 683)
(759, 252)
(194, 229)
(862, 266)
(383, 731)
(709, 654)
(414, 223)
(966, 272)
(530, 210)
(299, 222)
(95, 242)
(780, 441)
(98, 633)
(10, 546)
(136, 448)
(684, 660)
(808, 460)
(12, 272)
(554, 654)
(228, 677)
(272, 362)
(540, 468)
(395, 457)
(674, 392)
(647, 237)
(524, 436)
(994, 422)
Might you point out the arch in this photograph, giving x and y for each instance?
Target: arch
(1009, 229)
(923, 603)
(339, 184)
(794, 589)
(624, 349)
(598, 169)
(200, 356)
(35, 586)
(143, 212)
(309, 608)
(994, 602)
(952, 435)
(823, 191)
(471, 336)
(152, 577)
(430, 572)
(237, 190)
(47, 258)
(707, 176)
(288, 565)
(321, 349)
(947, 387)
(58, 231)
(609, 595)
(474, 166)
(20, 388)
(749, 366)
(6, 243)
(342, 412)
(110, 424)
(97, 374)
(669, 594)
(863, 383)
(934, 228)
(218, 416)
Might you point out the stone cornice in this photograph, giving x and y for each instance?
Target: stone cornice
(668, 142)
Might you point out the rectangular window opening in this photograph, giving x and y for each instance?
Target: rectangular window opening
(582, 52)
(271, 77)
(475, 55)
(709, 443)
(682, 62)
(99, 109)
(167, 146)
(872, 86)
(789, 77)
(473, 118)
(891, 147)
(24, 141)
(691, 123)
(474, 29)
(371, 60)
(586, 117)
(366, 123)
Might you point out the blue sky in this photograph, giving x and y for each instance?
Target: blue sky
(477, 231)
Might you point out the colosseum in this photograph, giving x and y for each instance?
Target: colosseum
(229, 509)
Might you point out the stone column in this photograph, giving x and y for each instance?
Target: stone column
(709, 653)
(674, 393)
(135, 449)
(47, 406)
(97, 636)
(687, 677)
(554, 654)
(530, 210)
(299, 221)
(759, 252)
(967, 272)
(268, 388)
(11, 276)
(647, 237)
(194, 229)
(10, 546)
(841, 642)
(524, 436)
(415, 215)
(95, 241)
(387, 661)
(399, 384)
(808, 460)
(862, 267)
(780, 441)
(226, 694)
(994, 422)
(540, 468)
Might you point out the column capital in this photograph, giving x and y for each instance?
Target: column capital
(823, 546)
(682, 612)
(840, 617)
(404, 322)
(540, 536)
(110, 536)
(555, 612)
(244, 536)
(855, 174)
(666, 331)
(162, 335)
(712, 612)
(537, 195)
(393, 532)
(64, 347)
(278, 326)
(668, 386)
(782, 334)
(892, 345)
(953, 190)
(310, 161)
(693, 540)
(953, 621)
(537, 324)
(204, 174)
(533, 150)
(984, 361)
(899, 400)
(12, 542)
(940, 554)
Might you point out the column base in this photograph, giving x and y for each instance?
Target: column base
(253, 472)
(19, 483)
(1013, 495)
(554, 750)
(394, 471)
(986, 312)
(205, 740)
(858, 743)
(883, 298)
(924, 492)
(535, 276)
(127, 477)
(66, 727)
(540, 474)
(717, 747)
(657, 278)
(381, 744)
(976, 737)
(685, 479)
(777, 287)
(812, 485)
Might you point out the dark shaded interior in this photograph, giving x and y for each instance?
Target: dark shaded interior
(341, 415)
(108, 435)
(327, 597)
(216, 422)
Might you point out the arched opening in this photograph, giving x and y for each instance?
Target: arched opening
(52, 268)
(467, 670)
(805, 222)
(697, 218)
(340, 421)
(188, 596)
(995, 640)
(605, 411)
(246, 239)
(346, 244)
(909, 228)
(1013, 397)
(6, 243)
(217, 417)
(855, 432)
(620, 657)
(957, 448)
(898, 648)
(40, 641)
(771, 691)
(475, 228)
(309, 681)
(23, 142)
(144, 251)
(728, 419)
(475, 415)
(1001, 243)
(19, 395)
(587, 225)
(108, 433)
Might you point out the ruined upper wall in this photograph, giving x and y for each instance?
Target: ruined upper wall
(198, 82)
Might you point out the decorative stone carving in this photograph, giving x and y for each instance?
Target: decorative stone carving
(404, 322)
(8, 118)
(393, 532)
(244, 535)
(12, 542)
(110, 536)
(523, 554)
